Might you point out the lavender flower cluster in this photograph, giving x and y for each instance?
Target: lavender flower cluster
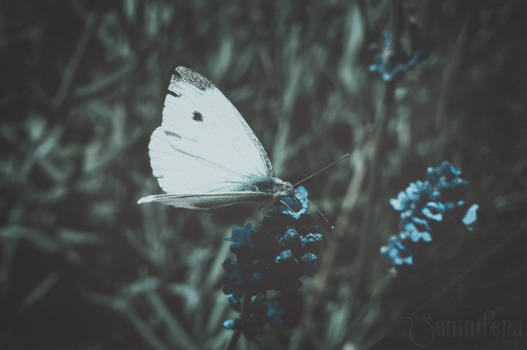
(389, 63)
(273, 256)
(429, 209)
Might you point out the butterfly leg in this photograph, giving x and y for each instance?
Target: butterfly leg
(324, 217)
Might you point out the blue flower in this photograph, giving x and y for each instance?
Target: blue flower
(285, 310)
(290, 239)
(433, 211)
(275, 313)
(471, 216)
(232, 323)
(310, 262)
(296, 205)
(232, 277)
(410, 231)
(274, 255)
(240, 236)
(397, 252)
(389, 64)
(423, 205)
(286, 255)
(311, 241)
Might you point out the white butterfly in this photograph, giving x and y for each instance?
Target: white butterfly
(204, 155)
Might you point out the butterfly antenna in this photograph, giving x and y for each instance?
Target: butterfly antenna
(325, 218)
(321, 170)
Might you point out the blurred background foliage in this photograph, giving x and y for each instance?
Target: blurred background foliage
(83, 83)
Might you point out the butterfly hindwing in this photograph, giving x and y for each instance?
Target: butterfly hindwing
(208, 200)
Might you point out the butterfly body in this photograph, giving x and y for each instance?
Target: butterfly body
(204, 155)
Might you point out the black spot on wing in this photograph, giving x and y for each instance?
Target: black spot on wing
(175, 94)
(171, 133)
(197, 116)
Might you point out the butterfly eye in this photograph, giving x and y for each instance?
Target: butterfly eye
(197, 116)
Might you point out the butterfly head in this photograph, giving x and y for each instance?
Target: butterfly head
(282, 188)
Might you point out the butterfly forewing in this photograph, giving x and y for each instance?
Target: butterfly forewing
(194, 105)
(204, 146)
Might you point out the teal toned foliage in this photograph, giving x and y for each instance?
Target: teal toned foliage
(83, 84)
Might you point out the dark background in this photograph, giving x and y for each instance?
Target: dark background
(83, 82)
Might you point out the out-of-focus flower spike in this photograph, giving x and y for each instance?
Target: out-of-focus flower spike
(273, 255)
(425, 204)
(389, 64)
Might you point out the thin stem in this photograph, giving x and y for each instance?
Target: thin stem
(73, 66)
(234, 339)
(450, 73)
(179, 336)
(330, 252)
(387, 109)
(246, 302)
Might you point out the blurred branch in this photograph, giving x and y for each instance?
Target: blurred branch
(71, 68)
(220, 306)
(216, 270)
(41, 148)
(294, 65)
(36, 237)
(109, 157)
(62, 240)
(280, 152)
(441, 116)
(123, 306)
(104, 83)
(148, 287)
(178, 335)
(243, 316)
(362, 310)
(9, 249)
(386, 110)
(40, 290)
(144, 329)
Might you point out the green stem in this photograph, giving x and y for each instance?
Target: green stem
(246, 301)
(234, 340)
(387, 108)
